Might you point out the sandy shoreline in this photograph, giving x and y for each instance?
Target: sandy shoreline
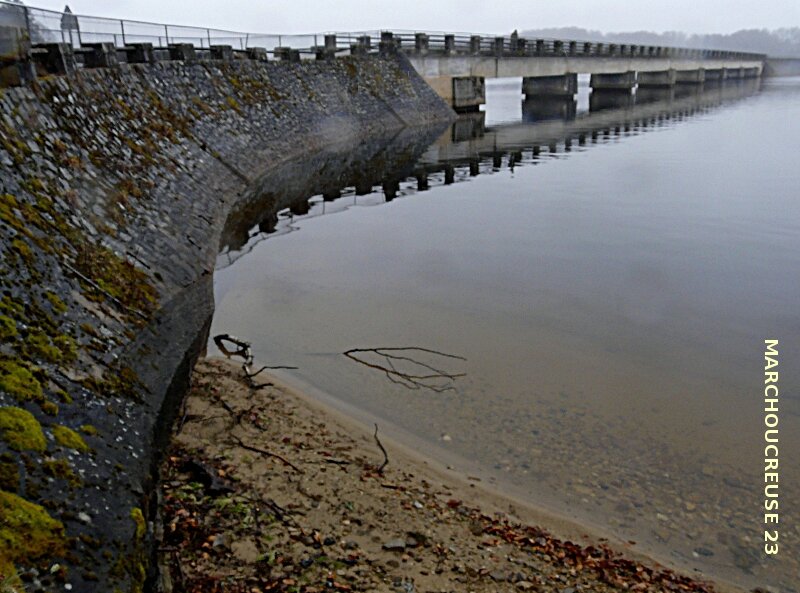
(312, 513)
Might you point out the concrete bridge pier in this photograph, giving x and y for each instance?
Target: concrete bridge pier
(715, 75)
(656, 79)
(550, 86)
(733, 73)
(618, 81)
(463, 93)
(690, 76)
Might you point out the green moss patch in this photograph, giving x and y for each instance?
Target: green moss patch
(21, 430)
(39, 347)
(9, 474)
(27, 533)
(17, 381)
(8, 328)
(141, 525)
(119, 380)
(11, 307)
(58, 305)
(69, 438)
(116, 277)
(21, 247)
(61, 469)
(89, 429)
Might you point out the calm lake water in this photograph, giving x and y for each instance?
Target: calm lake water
(609, 271)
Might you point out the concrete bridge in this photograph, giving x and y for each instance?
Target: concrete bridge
(456, 66)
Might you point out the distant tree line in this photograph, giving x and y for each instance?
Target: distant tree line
(783, 42)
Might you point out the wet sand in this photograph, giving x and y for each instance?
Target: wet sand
(271, 490)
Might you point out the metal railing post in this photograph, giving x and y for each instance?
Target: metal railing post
(28, 23)
(122, 28)
(166, 33)
(208, 34)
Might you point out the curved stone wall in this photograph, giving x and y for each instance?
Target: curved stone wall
(116, 185)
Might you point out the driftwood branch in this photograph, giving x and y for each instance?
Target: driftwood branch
(424, 375)
(242, 350)
(383, 450)
(244, 445)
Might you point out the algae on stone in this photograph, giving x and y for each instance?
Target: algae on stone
(21, 430)
(9, 473)
(19, 382)
(27, 533)
(8, 328)
(69, 438)
(141, 525)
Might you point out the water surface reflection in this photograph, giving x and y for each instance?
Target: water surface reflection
(611, 305)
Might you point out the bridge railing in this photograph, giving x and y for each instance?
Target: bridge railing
(23, 26)
(421, 42)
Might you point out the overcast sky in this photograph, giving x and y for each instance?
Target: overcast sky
(489, 16)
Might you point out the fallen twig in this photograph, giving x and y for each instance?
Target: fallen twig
(385, 454)
(244, 445)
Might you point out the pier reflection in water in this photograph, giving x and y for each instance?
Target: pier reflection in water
(607, 303)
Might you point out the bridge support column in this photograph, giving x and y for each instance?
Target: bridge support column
(659, 78)
(715, 74)
(751, 72)
(462, 93)
(550, 86)
(621, 81)
(733, 73)
(690, 76)
(469, 93)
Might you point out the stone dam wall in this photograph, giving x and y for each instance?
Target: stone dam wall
(116, 188)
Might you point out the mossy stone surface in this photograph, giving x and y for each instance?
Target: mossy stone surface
(27, 533)
(21, 430)
(8, 328)
(19, 382)
(9, 475)
(141, 525)
(69, 438)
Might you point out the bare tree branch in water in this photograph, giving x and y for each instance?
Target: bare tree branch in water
(389, 359)
(243, 350)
